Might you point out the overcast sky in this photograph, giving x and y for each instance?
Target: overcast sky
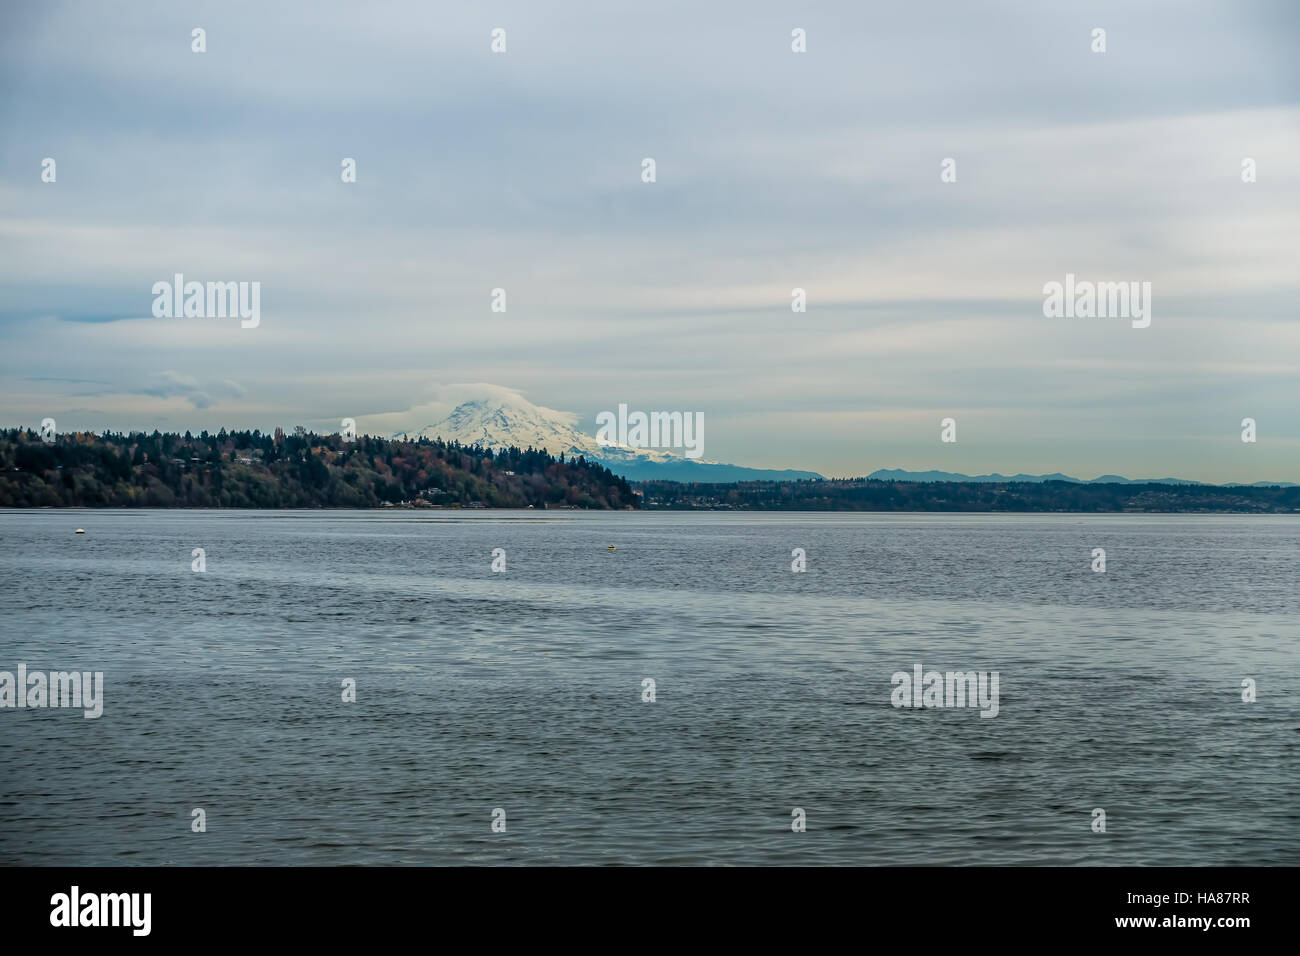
(775, 170)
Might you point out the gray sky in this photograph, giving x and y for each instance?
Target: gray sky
(775, 170)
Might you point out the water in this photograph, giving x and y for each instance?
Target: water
(522, 690)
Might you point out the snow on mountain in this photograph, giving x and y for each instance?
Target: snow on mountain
(504, 418)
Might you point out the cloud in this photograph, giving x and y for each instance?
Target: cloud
(170, 384)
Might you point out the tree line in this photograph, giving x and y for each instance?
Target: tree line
(865, 494)
(255, 469)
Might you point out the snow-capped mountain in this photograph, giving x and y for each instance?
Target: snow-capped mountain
(512, 420)
(505, 418)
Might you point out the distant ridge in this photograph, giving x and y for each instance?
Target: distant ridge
(898, 474)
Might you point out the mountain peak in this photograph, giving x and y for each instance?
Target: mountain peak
(500, 417)
(504, 419)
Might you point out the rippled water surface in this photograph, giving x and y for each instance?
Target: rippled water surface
(523, 690)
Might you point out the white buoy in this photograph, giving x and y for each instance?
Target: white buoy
(80, 531)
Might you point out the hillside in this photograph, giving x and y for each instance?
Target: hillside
(302, 470)
(866, 494)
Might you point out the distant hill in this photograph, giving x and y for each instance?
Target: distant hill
(1070, 496)
(503, 418)
(898, 474)
(302, 470)
(685, 469)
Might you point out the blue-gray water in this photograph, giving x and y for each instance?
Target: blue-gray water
(523, 690)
